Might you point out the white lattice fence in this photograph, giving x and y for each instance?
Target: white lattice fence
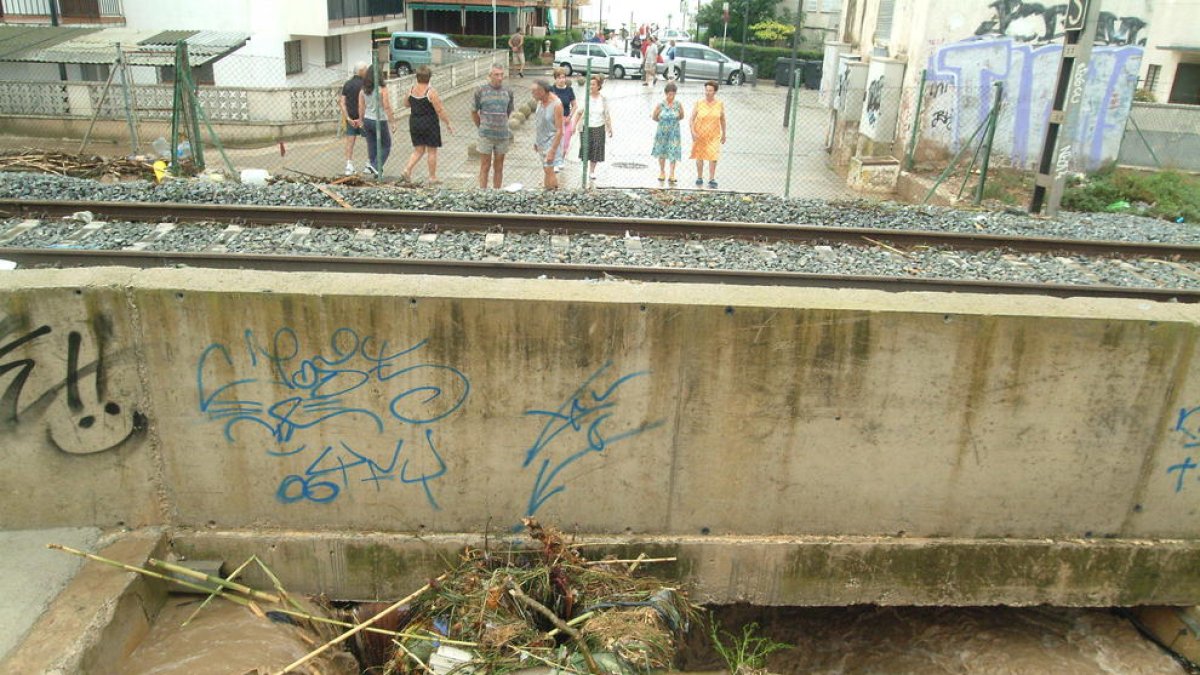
(315, 104)
(33, 98)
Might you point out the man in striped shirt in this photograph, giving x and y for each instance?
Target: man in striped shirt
(490, 111)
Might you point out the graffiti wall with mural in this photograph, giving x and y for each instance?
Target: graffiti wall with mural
(960, 92)
(970, 46)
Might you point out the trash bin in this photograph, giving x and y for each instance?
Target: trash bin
(783, 70)
(812, 74)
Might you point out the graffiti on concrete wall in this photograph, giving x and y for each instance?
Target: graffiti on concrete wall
(582, 426)
(71, 396)
(1043, 23)
(312, 409)
(960, 95)
(1187, 425)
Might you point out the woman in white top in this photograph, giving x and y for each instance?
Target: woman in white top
(598, 122)
(375, 106)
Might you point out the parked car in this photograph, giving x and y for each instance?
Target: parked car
(667, 34)
(411, 49)
(574, 59)
(700, 62)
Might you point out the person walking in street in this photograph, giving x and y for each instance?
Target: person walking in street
(670, 59)
(635, 46)
(490, 110)
(516, 45)
(598, 122)
(424, 127)
(566, 95)
(650, 63)
(667, 145)
(547, 130)
(708, 133)
(377, 120)
(348, 102)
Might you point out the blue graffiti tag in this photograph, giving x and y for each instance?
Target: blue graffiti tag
(1191, 436)
(298, 394)
(581, 418)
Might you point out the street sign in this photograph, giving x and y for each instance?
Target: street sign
(725, 12)
(1076, 11)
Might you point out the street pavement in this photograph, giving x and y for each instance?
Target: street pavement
(34, 575)
(754, 160)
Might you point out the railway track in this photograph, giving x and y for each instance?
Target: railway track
(151, 212)
(163, 217)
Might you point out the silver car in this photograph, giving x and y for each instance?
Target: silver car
(699, 62)
(574, 59)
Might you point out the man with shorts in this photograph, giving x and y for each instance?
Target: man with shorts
(490, 110)
(516, 44)
(348, 102)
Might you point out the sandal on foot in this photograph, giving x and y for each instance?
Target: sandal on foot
(699, 182)
(672, 180)
(661, 177)
(712, 184)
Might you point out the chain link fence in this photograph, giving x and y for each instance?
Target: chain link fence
(1162, 136)
(298, 129)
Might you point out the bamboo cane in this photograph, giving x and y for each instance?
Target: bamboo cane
(225, 583)
(149, 573)
(362, 626)
(216, 592)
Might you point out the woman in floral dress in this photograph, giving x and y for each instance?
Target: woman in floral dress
(667, 137)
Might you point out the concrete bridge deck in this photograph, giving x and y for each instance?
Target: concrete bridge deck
(791, 446)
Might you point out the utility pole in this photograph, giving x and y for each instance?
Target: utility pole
(62, 67)
(1080, 24)
(745, 32)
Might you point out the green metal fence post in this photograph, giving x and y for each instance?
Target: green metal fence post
(585, 150)
(796, 75)
(912, 140)
(378, 122)
(987, 142)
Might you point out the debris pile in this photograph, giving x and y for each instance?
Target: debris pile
(76, 166)
(524, 611)
(534, 609)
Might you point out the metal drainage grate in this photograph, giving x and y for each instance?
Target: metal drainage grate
(629, 165)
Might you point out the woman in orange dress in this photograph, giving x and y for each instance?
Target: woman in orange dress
(708, 134)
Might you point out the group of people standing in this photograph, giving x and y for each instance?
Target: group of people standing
(556, 119)
(367, 111)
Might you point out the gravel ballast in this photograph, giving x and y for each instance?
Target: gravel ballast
(689, 205)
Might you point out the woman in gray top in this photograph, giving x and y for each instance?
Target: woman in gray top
(547, 130)
(375, 106)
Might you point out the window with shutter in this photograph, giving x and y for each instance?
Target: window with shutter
(883, 23)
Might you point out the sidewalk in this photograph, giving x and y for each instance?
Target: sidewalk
(754, 159)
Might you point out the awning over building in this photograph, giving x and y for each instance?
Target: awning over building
(458, 7)
(1181, 48)
(42, 44)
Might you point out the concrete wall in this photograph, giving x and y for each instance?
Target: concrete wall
(441, 405)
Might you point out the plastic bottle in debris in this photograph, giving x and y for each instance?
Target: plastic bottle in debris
(161, 147)
(184, 150)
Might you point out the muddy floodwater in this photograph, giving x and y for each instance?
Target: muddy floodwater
(946, 640)
(929, 641)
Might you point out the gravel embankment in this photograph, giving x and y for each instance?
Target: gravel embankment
(732, 254)
(620, 203)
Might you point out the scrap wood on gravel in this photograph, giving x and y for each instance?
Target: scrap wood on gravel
(74, 165)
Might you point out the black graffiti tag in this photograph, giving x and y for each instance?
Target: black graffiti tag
(92, 421)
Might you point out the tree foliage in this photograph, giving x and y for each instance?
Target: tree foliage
(771, 31)
(759, 11)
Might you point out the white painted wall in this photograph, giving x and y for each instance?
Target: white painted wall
(1175, 25)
